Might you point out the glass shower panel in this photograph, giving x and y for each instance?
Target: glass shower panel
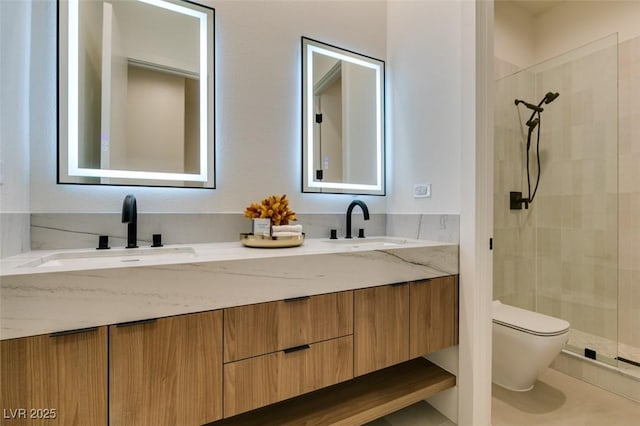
(629, 207)
(514, 265)
(577, 220)
(560, 256)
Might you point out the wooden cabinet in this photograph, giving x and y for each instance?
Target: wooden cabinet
(256, 382)
(381, 327)
(268, 327)
(395, 323)
(277, 350)
(177, 371)
(167, 371)
(434, 315)
(58, 379)
(391, 325)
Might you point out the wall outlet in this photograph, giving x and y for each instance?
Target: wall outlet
(422, 190)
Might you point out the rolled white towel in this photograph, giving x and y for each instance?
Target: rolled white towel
(286, 228)
(286, 234)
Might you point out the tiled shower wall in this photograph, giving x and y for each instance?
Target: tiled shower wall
(514, 280)
(583, 229)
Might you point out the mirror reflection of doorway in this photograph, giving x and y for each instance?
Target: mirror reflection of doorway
(328, 129)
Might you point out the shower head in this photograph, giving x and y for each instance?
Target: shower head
(530, 106)
(550, 97)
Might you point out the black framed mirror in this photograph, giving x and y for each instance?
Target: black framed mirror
(136, 93)
(343, 143)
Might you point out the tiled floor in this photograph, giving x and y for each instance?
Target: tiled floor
(556, 400)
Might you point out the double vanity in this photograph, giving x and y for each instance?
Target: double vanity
(189, 335)
(329, 332)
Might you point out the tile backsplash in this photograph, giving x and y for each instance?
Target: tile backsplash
(14, 229)
(81, 230)
(50, 231)
(437, 227)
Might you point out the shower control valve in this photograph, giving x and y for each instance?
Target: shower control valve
(516, 201)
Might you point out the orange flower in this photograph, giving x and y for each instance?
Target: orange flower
(274, 207)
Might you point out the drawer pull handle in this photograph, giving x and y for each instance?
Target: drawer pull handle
(297, 299)
(131, 323)
(76, 331)
(296, 349)
(398, 284)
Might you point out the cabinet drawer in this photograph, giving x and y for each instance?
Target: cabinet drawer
(263, 380)
(269, 327)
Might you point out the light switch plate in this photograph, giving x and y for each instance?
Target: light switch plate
(422, 190)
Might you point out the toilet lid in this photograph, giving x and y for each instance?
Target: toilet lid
(528, 321)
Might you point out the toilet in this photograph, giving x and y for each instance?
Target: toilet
(524, 345)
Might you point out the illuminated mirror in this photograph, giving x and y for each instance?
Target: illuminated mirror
(136, 93)
(342, 121)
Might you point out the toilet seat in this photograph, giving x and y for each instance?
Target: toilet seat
(527, 321)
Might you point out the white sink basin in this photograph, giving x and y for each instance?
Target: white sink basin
(113, 257)
(365, 242)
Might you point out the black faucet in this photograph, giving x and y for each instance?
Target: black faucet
(365, 212)
(130, 217)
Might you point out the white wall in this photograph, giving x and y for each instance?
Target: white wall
(15, 26)
(258, 142)
(15, 29)
(524, 40)
(423, 104)
(439, 102)
(258, 119)
(476, 208)
(514, 34)
(575, 23)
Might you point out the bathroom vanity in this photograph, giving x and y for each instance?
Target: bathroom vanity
(326, 333)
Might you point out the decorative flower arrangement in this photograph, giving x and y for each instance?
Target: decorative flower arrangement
(274, 207)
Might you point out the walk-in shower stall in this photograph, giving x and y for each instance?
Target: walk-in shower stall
(570, 253)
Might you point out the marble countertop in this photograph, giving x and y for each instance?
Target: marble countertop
(48, 291)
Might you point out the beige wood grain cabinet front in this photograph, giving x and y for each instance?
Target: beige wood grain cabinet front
(434, 315)
(395, 323)
(255, 382)
(58, 379)
(262, 328)
(381, 327)
(278, 350)
(166, 372)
